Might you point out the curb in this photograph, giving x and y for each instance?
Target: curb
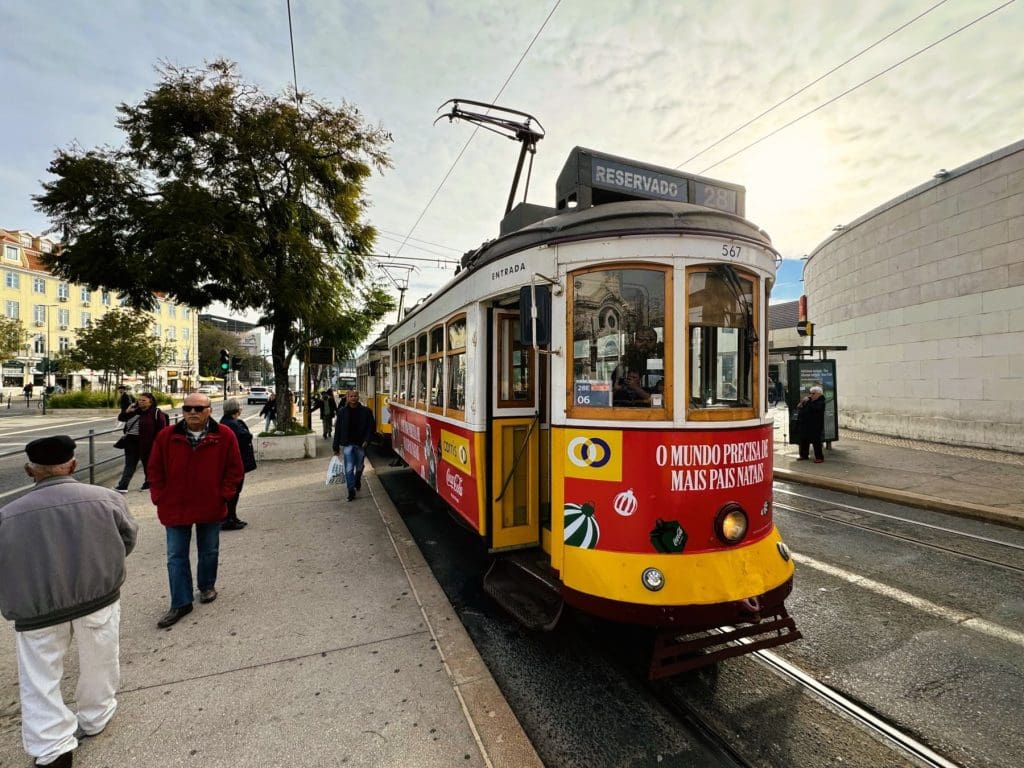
(960, 508)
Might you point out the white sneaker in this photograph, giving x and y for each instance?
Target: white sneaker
(121, 490)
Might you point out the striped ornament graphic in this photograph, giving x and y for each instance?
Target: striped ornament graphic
(581, 528)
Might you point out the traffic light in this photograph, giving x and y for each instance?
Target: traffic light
(236, 363)
(225, 362)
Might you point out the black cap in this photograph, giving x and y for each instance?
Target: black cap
(51, 450)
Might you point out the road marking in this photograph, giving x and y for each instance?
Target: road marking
(919, 603)
(51, 425)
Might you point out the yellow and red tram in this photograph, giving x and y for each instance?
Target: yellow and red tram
(588, 395)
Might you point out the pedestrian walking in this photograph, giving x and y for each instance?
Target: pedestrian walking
(328, 411)
(811, 424)
(27, 389)
(143, 421)
(353, 429)
(62, 562)
(125, 399)
(269, 411)
(194, 469)
(232, 411)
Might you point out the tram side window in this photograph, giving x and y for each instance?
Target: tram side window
(515, 380)
(619, 329)
(436, 394)
(421, 371)
(410, 371)
(456, 358)
(721, 319)
(400, 373)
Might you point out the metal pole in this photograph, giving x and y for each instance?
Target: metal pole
(92, 457)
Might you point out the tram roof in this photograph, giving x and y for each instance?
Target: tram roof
(619, 219)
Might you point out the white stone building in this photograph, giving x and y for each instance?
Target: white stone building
(927, 291)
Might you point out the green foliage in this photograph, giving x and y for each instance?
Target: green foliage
(224, 193)
(95, 398)
(117, 342)
(13, 337)
(291, 428)
(212, 339)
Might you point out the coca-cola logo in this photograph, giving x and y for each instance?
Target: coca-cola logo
(453, 481)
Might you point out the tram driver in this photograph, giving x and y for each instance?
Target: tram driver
(629, 392)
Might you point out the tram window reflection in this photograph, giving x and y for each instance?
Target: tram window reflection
(619, 328)
(722, 339)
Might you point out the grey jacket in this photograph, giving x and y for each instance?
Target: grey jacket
(62, 551)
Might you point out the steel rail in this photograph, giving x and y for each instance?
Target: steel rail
(873, 723)
(901, 537)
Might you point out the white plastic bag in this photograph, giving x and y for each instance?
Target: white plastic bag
(335, 472)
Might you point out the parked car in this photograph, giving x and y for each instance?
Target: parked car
(258, 395)
(206, 389)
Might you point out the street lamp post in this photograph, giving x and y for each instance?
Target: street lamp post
(46, 356)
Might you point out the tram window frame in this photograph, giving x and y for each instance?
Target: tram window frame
(384, 378)
(620, 412)
(508, 345)
(399, 357)
(456, 360)
(704, 346)
(436, 389)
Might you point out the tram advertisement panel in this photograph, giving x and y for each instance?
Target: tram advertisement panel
(442, 454)
(642, 491)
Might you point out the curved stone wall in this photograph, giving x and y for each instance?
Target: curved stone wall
(927, 291)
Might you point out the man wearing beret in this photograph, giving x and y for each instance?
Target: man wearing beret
(194, 469)
(62, 562)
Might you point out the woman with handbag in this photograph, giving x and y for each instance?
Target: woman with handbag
(232, 410)
(143, 420)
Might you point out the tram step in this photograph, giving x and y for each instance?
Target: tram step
(523, 588)
(675, 652)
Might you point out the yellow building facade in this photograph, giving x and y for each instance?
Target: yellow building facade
(51, 310)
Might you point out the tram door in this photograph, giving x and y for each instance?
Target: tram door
(518, 429)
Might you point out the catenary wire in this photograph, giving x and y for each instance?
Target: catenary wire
(810, 84)
(465, 146)
(859, 85)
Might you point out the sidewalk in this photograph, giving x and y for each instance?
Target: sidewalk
(330, 644)
(970, 482)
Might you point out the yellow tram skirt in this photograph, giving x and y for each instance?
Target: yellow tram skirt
(698, 579)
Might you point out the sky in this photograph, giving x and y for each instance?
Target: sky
(658, 81)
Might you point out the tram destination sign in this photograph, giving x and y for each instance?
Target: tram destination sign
(632, 179)
(594, 178)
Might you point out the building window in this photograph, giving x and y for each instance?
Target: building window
(456, 358)
(157, 330)
(64, 343)
(45, 246)
(172, 355)
(184, 334)
(64, 317)
(63, 291)
(172, 311)
(39, 313)
(85, 293)
(11, 253)
(619, 340)
(122, 301)
(105, 298)
(13, 310)
(186, 312)
(38, 285)
(86, 319)
(39, 344)
(170, 333)
(26, 240)
(12, 280)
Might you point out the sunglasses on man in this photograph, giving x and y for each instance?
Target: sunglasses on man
(197, 408)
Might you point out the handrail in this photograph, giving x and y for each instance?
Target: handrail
(519, 455)
(90, 437)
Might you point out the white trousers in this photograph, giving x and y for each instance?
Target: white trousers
(47, 725)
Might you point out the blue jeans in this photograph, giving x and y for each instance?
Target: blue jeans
(179, 571)
(353, 456)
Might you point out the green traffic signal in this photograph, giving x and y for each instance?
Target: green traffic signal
(225, 361)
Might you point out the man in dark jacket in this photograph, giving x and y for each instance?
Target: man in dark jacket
(62, 562)
(352, 431)
(194, 469)
(143, 422)
(811, 424)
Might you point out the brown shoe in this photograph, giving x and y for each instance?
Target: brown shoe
(207, 595)
(174, 615)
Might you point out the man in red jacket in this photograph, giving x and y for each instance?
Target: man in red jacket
(195, 467)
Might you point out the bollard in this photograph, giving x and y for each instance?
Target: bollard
(92, 457)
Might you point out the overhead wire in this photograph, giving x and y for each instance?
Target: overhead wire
(465, 146)
(859, 85)
(814, 82)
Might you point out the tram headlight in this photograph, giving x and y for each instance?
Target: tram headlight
(653, 579)
(731, 524)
